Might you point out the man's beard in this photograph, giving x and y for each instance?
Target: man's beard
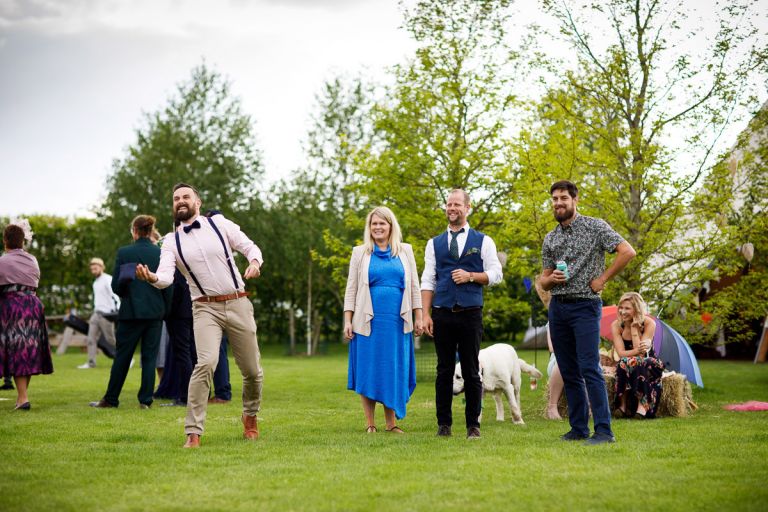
(185, 215)
(561, 216)
(458, 221)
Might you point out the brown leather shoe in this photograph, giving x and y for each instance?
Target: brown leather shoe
(250, 427)
(217, 400)
(193, 441)
(102, 404)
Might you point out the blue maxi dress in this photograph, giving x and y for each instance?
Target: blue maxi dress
(382, 366)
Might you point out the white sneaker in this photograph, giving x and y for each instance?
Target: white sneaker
(86, 366)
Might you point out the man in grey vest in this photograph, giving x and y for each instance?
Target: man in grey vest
(457, 264)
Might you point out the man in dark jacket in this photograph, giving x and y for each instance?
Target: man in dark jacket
(142, 310)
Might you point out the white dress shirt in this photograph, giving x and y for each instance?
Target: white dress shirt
(104, 300)
(205, 256)
(491, 263)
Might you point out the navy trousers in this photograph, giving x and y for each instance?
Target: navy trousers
(575, 331)
(222, 387)
(184, 357)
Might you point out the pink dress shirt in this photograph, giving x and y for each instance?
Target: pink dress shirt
(19, 267)
(205, 256)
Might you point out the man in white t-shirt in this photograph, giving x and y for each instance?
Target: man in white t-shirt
(105, 302)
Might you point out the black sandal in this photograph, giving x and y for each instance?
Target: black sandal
(371, 429)
(395, 430)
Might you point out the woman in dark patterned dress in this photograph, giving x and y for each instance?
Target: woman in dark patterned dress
(638, 374)
(24, 348)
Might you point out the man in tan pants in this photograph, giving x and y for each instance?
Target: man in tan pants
(202, 248)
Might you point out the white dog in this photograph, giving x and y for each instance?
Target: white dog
(500, 373)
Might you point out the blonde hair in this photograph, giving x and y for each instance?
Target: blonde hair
(395, 236)
(638, 304)
(96, 261)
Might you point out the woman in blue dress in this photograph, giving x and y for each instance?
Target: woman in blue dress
(382, 311)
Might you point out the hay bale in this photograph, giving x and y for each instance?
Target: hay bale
(676, 396)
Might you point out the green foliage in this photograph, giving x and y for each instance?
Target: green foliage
(441, 125)
(738, 189)
(201, 137)
(617, 123)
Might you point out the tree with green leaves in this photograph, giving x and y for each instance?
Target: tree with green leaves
(308, 216)
(201, 137)
(731, 301)
(441, 125)
(637, 121)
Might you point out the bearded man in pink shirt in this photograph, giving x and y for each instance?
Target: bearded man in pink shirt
(202, 249)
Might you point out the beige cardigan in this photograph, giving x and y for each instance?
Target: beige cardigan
(358, 295)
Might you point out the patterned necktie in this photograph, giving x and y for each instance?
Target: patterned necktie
(453, 249)
(194, 225)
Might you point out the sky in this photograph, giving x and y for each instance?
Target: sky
(77, 76)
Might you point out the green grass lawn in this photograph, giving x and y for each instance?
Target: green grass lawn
(314, 454)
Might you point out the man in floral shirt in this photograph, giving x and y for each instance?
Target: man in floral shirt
(574, 313)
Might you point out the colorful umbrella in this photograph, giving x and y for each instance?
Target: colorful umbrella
(668, 344)
(675, 353)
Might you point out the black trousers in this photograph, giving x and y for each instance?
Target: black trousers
(461, 331)
(181, 338)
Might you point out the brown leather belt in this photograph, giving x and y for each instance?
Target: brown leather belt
(221, 298)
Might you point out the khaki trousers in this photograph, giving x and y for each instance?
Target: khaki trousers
(97, 326)
(211, 320)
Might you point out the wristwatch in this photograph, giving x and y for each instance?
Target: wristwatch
(471, 278)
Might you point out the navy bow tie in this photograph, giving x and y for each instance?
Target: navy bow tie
(194, 225)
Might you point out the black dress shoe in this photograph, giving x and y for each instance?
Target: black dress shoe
(23, 407)
(444, 431)
(598, 438)
(573, 436)
(7, 386)
(102, 404)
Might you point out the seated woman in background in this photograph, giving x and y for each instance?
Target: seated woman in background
(553, 372)
(638, 374)
(556, 384)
